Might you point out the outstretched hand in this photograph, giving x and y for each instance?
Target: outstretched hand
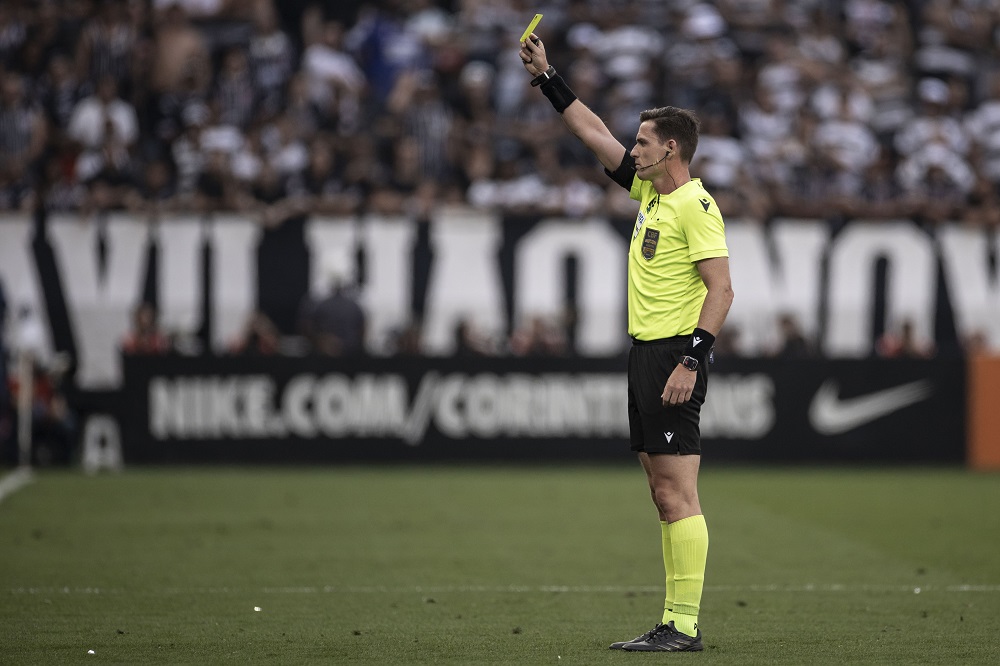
(533, 55)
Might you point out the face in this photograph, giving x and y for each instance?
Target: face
(648, 150)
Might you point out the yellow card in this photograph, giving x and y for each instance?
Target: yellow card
(530, 28)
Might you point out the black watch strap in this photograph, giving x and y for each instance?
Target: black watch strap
(544, 76)
(690, 362)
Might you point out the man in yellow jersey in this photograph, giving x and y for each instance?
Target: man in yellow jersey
(679, 293)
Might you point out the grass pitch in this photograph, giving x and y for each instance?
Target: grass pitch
(481, 565)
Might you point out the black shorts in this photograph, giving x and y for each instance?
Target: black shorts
(654, 428)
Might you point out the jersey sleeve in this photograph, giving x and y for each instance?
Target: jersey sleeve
(705, 230)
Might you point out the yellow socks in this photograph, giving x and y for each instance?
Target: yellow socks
(668, 566)
(688, 539)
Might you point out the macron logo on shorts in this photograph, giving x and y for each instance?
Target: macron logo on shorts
(669, 436)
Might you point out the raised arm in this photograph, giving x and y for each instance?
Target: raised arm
(583, 122)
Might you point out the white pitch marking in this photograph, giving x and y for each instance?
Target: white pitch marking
(14, 481)
(514, 589)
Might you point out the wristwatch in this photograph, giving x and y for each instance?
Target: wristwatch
(544, 76)
(689, 362)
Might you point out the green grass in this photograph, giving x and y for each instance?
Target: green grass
(492, 565)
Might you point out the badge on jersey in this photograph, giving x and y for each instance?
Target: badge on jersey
(639, 220)
(649, 242)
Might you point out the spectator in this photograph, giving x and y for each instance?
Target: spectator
(13, 33)
(145, 336)
(23, 130)
(156, 191)
(881, 197)
(538, 337)
(59, 94)
(335, 324)
(303, 112)
(215, 189)
(702, 42)
(933, 125)
(983, 125)
(259, 337)
(793, 343)
(105, 126)
(61, 191)
(53, 422)
(336, 82)
(386, 47)
(848, 145)
(107, 45)
(322, 185)
(234, 93)
(722, 161)
(180, 53)
(469, 342)
(903, 344)
(187, 151)
(272, 59)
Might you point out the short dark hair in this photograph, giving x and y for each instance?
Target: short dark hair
(681, 125)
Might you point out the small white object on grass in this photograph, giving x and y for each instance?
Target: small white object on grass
(257, 608)
(91, 652)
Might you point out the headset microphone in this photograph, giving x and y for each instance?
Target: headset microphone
(666, 154)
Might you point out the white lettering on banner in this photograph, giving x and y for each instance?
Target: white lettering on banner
(910, 290)
(234, 275)
(295, 405)
(973, 291)
(19, 279)
(180, 240)
(791, 282)
(465, 278)
(774, 270)
(485, 405)
(99, 302)
(213, 407)
(540, 281)
(738, 407)
(388, 287)
(333, 249)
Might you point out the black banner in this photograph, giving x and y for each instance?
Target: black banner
(304, 410)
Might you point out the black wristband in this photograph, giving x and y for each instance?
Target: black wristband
(699, 345)
(558, 92)
(543, 77)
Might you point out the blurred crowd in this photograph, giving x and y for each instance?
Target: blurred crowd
(811, 108)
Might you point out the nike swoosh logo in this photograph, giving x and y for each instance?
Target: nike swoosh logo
(830, 415)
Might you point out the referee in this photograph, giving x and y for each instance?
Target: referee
(679, 292)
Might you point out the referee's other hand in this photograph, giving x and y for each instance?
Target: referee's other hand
(533, 55)
(680, 386)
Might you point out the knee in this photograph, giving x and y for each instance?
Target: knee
(663, 499)
(674, 506)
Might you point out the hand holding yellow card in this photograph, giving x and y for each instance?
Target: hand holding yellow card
(531, 27)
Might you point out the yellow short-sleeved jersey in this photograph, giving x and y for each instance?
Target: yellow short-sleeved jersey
(672, 233)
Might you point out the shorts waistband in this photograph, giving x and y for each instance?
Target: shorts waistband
(662, 341)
